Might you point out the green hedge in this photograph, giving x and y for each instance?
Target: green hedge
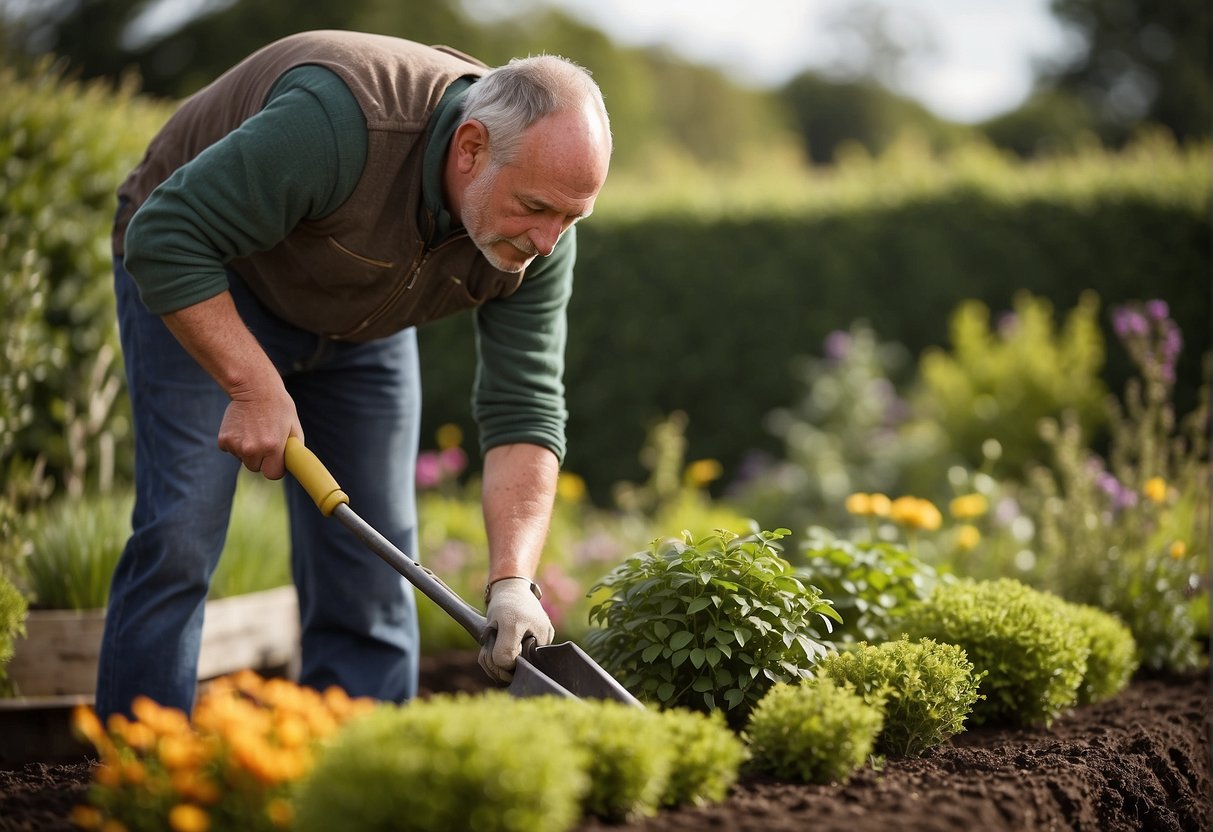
(704, 315)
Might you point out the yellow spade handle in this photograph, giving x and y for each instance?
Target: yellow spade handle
(314, 477)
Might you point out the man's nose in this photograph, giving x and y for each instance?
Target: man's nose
(545, 236)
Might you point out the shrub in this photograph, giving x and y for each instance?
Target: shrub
(926, 690)
(709, 622)
(813, 732)
(869, 583)
(1001, 378)
(628, 755)
(1113, 657)
(12, 626)
(451, 762)
(1033, 656)
(708, 759)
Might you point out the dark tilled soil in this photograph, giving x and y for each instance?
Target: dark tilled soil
(1138, 762)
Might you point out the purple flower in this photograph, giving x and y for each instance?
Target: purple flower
(1157, 310)
(1128, 322)
(838, 345)
(452, 461)
(1008, 322)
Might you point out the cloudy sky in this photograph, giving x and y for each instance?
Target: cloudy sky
(974, 57)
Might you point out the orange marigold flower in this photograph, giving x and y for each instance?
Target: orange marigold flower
(701, 472)
(86, 817)
(1178, 549)
(880, 504)
(185, 817)
(280, 813)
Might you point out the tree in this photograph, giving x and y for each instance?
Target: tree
(1145, 61)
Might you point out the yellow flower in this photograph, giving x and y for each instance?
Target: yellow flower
(915, 513)
(449, 435)
(185, 817)
(880, 504)
(701, 472)
(969, 506)
(1155, 489)
(1178, 549)
(859, 504)
(570, 487)
(967, 537)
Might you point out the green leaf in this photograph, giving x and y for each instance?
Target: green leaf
(665, 692)
(700, 603)
(681, 639)
(652, 653)
(697, 657)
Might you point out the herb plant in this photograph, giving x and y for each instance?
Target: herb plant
(869, 583)
(708, 623)
(925, 688)
(812, 732)
(1032, 653)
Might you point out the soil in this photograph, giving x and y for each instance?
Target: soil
(1138, 762)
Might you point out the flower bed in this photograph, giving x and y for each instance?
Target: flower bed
(1137, 761)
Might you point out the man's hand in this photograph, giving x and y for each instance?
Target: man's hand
(514, 613)
(262, 414)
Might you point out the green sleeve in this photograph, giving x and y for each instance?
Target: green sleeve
(298, 158)
(520, 342)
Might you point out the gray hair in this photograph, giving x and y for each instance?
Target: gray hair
(510, 98)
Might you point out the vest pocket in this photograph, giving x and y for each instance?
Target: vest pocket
(370, 261)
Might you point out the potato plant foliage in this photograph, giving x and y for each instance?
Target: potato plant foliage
(708, 623)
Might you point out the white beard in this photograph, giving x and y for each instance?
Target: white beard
(475, 207)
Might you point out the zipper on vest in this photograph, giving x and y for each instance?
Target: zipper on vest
(401, 288)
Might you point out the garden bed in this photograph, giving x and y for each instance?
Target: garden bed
(1138, 761)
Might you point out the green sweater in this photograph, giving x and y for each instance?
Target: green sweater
(299, 158)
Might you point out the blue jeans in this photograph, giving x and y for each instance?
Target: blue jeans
(359, 405)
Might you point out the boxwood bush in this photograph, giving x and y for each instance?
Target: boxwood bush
(1113, 657)
(816, 731)
(926, 690)
(708, 756)
(443, 764)
(1032, 653)
(708, 623)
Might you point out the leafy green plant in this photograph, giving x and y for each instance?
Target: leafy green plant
(813, 732)
(708, 623)
(1033, 656)
(708, 759)
(1000, 379)
(926, 690)
(450, 762)
(1113, 658)
(869, 582)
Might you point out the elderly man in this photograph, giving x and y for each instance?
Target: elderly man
(287, 230)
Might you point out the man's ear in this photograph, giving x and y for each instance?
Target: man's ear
(471, 144)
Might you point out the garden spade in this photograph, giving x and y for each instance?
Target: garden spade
(556, 669)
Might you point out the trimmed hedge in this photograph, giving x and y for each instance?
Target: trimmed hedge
(705, 315)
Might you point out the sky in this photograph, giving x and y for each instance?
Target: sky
(973, 60)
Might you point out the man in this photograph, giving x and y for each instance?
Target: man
(286, 231)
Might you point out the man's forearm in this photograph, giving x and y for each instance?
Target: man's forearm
(262, 414)
(518, 492)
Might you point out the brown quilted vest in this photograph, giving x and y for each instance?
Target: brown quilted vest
(365, 271)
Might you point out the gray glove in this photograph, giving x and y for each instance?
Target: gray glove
(514, 612)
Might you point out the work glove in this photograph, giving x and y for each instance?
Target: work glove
(514, 612)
